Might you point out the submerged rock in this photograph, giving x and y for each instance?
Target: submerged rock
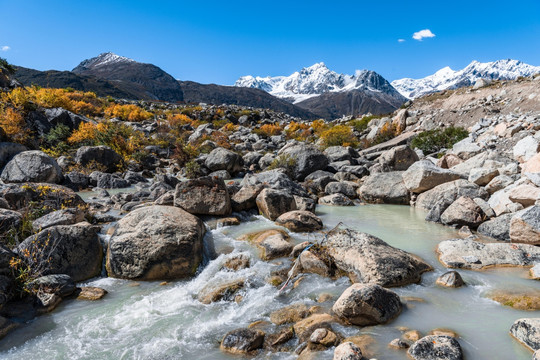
(366, 304)
(91, 293)
(242, 341)
(529, 300)
(304, 328)
(290, 314)
(527, 332)
(434, 347)
(450, 279)
(219, 292)
(300, 221)
(154, 243)
(272, 243)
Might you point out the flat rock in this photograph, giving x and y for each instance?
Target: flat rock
(527, 332)
(434, 347)
(386, 188)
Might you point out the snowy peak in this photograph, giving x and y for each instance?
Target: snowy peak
(447, 78)
(316, 80)
(103, 59)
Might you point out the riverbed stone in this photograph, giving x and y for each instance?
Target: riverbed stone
(526, 300)
(434, 347)
(99, 158)
(347, 351)
(223, 159)
(475, 255)
(219, 292)
(448, 193)
(336, 200)
(245, 198)
(368, 259)
(527, 332)
(290, 314)
(32, 166)
(203, 196)
(242, 341)
(300, 221)
(525, 226)
(398, 158)
(305, 327)
(367, 304)
(386, 188)
(273, 203)
(463, 212)
(450, 279)
(307, 158)
(156, 243)
(271, 243)
(91, 293)
(424, 175)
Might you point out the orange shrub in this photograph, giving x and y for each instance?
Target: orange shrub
(269, 130)
(319, 126)
(12, 122)
(127, 112)
(86, 133)
(339, 135)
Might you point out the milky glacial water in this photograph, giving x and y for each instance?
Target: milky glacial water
(147, 320)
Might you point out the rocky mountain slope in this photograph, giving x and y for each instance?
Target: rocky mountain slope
(447, 78)
(328, 93)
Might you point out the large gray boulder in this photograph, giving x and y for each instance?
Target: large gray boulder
(223, 159)
(74, 250)
(347, 188)
(448, 193)
(245, 198)
(387, 188)
(9, 219)
(527, 332)
(274, 179)
(32, 166)
(463, 212)
(424, 175)
(525, 226)
(398, 158)
(98, 157)
(368, 259)
(475, 255)
(51, 197)
(436, 347)
(367, 304)
(300, 221)
(497, 228)
(307, 159)
(340, 153)
(156, 243)
(203, 196)
(272, 203)
(8, 151)
(526, 148)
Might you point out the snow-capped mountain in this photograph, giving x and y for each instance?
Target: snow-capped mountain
(315, 80)
(447, 78)
(103, 59)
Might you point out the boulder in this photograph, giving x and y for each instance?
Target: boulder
(32, 166)
(67, 216)
(220, 292)
(463, 212)
(499, 183)
(9, 219)
(347, 188)
(448, 161)
(399, 158)
(246, 197)
(74, 250)
(100, 157)
(307, 159)
(155, 243)
(474, 255)
(336, 200)
(108, 181)
(272, 243)
(450, 279)
(524, 194)
(466, 148)
(242, 341)
(305, 203)
(274, 179)
(223, 159)
(300, 221)
(60, 284)
(526, 148)
(367, 304)
(340, 153)
(387, 188)
(527, 332)
(448, 193)
(368, 259)
(424, 175)
(273, 203)
(76, 181)
(525, 226)
(347, 351)
(8, 151)
(482, 176)
(497, 228)
(203, 196)
(433, 347)
(59, 115)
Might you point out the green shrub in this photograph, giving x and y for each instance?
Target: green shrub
(192, 169)
(10, 69)
(362, 124)
(433, 141)
(286, 162)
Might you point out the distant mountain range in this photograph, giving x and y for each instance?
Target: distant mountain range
(328, 93)
(446, 78)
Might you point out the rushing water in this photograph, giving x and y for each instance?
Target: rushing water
(151, 321)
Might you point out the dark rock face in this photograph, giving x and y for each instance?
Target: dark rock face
(497, 228)
(74, 250)
(223, 159)
(272, 203)
(60, 284)
(67, 216)
(203, 196)
(154, 243)
(242, 341)
(307, 159)
(527, 332)
(52, 197)
(8, 151)
(9, 219)
(387, 188)
(101, 155)
(435, 347)
(367, 304)
(32, 166)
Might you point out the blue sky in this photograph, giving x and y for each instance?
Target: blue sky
(218, 41)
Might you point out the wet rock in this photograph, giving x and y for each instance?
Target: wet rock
(536, 355)
(6, 326)
(347, 351)
(272, 244)
(436, 348)
(279, 338)
(412, 335)
(398, 344)
(387, 188)
(311, 263)
(497, 228)
(525, 226)
(74, 250)
(471, 254)
(336, 200)
(273, 203)
(527, 332)
(60, 284)
(47, 302)
(307, 158)
(368, 259)
(154, 243)
(304, 328)
(367, 304)
(398, 158)
(220, 292)
(238, 262)
(290, 314)
(463, 212)
(91, 293)
(245, 198)
(300, 221)
(68, 216)
(424, 175)
(101, 157)
(32, 166)
(203, 196)
(324, 337)
(450, 279)
(223, 159)
(242, 341)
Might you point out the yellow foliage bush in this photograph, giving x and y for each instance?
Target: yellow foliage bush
(129, 112)
(339, 135)
(13, 124)
(269, 130)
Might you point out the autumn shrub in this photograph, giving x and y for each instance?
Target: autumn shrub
(432, 141)
(128, 112)
(268, 130)
(362, 123)
(339, 135)
(387, 132)
(319, 126)
(14, 125)
(183, 153)
(297, 130)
